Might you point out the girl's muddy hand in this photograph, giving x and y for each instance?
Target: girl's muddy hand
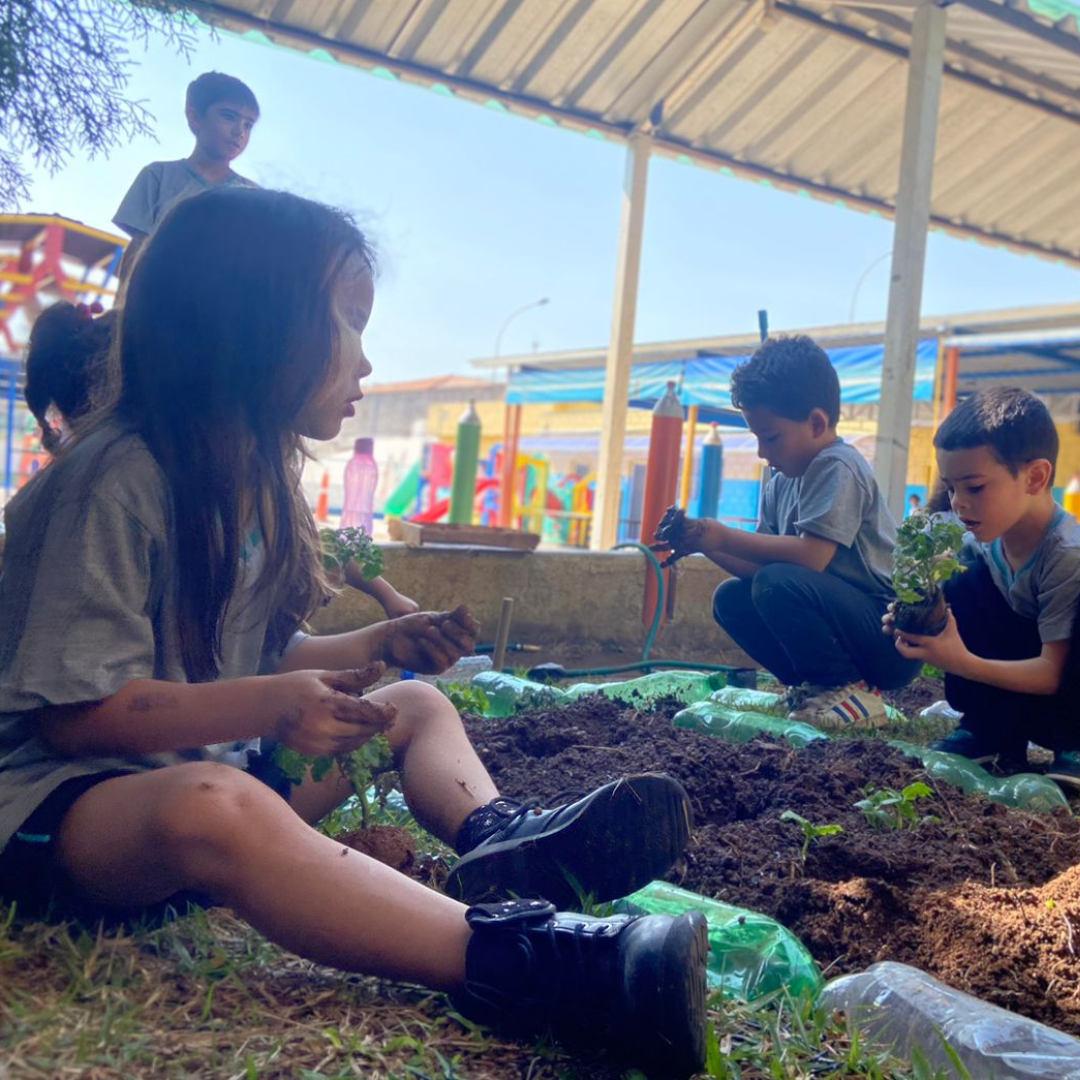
(321, 713)
(888, 620)
(430, 641)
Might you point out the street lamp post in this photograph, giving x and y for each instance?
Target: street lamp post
(859, 284)
(512, 316)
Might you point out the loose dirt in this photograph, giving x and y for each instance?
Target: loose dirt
(985, 897)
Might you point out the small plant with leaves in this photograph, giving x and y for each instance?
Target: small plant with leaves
(925, 557)
(467, 698)
(810, 831)
(343, 546)
(370, 768)
(888, 809)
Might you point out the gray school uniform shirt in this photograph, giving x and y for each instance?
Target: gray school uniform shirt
(158, 187)
(1046, 588)
(87, 604)
(837, 499)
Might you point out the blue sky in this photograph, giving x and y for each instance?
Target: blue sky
(477, 213)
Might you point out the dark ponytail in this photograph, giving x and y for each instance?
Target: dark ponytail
(65, 362)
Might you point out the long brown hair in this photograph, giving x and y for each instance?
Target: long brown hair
(226, 333)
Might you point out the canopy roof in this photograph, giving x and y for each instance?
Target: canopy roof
(705, 381)
(804, 95)
(1037, 348)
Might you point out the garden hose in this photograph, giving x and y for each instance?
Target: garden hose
(644, 664)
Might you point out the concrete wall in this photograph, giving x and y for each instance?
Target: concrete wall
(576, 604)
(589, 601)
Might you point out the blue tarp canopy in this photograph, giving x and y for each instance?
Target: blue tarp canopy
(705, 381)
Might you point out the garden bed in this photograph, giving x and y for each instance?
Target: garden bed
(984, 897)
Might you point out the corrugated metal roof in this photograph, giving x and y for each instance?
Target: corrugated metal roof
(806, 95)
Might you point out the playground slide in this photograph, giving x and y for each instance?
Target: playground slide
(442, 507)
(403, 498)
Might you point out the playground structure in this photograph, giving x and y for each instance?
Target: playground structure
(537, 496)
(550, 417)
(43, 258)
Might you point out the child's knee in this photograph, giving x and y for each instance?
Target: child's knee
(730, 600)
(419, 705)
(210, 804)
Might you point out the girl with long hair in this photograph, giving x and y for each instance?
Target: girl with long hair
(156, 581)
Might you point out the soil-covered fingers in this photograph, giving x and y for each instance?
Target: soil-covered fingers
(362, 712)
(436, 650)
(459, 627)
(888, 620)
(670, 529)
(355, 680)
(672, 556)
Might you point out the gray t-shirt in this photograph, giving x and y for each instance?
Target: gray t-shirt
(837, 499)
(159, 186)
(87, 604)
(1047, 586)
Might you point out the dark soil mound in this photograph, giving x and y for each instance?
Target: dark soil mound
(938, 896)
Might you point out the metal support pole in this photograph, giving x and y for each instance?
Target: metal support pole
(909, 253)
(621, 347)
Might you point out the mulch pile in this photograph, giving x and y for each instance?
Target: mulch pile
(987, 898)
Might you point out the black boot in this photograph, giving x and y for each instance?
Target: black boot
(632, 986)
(603, 846)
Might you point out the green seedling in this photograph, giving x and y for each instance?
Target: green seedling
(888, 809)
(925, 557)
(810, 831)
(467, 698)
(343, 546)
(370, 768)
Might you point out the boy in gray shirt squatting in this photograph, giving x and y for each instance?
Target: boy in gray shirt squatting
(1007, 649)
(221, 111)
(812, 584)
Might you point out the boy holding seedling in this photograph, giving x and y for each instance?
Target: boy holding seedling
(810, 587)
(1005, 649)
(221, 112)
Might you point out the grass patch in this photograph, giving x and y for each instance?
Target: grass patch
(207, 997)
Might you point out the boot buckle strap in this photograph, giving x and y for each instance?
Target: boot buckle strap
(508, 912)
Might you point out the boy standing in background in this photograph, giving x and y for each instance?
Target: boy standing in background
(221, 111)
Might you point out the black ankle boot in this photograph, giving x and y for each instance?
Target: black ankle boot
(603, 846)
(632, 986)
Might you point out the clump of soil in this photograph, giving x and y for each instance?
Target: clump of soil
(948, 896)
(389, 844)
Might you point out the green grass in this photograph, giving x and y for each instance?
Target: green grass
(207, 997)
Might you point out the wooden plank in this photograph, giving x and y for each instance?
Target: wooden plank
(417, 534)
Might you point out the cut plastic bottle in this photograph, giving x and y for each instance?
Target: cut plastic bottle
(750, 954)
(908, 1009)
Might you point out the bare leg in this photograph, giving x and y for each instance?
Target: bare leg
(442, 778)
(139, 839)
(441, 775)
